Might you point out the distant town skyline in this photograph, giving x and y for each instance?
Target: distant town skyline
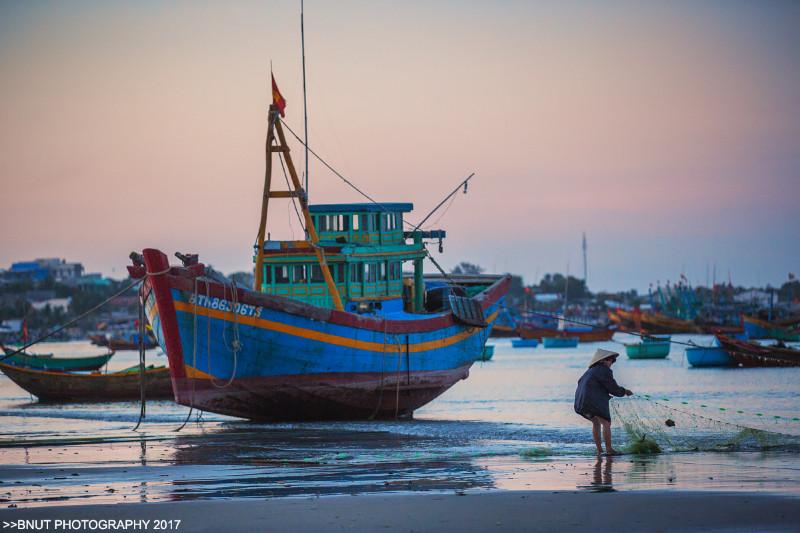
(668, 133)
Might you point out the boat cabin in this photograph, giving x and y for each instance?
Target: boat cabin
(364, 246)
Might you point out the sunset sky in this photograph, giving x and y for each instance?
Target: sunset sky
(669, 133)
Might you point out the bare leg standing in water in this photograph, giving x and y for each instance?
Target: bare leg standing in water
(596, 434)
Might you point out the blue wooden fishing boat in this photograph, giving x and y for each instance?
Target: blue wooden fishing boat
(703, 356)
(524, 343)
(560, 342)
(332, 328)
(755, 328)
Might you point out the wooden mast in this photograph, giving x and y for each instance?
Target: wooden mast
(297, 192)
(262, 226)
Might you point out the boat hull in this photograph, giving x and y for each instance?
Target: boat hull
(712, 356)
(263, 357)
(58, 364)
(749, 354)
(648, 350)
(589, 335)
(560, 342)
(524, 343)
(62, 386)
(761, 329)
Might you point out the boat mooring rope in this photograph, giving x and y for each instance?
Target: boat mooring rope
(142, 386)
(71, 322)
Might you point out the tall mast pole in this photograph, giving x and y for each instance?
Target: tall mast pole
(584, 260)
(305, 98)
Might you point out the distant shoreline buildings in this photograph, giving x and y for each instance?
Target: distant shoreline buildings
(59, 270)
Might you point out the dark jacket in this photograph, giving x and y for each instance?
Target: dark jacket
(594, 388)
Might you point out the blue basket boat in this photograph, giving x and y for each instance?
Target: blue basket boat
(703, 356)
(560, 342)
(524, 343)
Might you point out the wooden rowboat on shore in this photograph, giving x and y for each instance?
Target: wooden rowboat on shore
(94, 387)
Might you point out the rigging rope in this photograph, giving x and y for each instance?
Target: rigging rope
(71, 322)
(289, 188)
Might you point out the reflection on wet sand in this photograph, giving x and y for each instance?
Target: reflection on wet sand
(602, 480)
(289, 462)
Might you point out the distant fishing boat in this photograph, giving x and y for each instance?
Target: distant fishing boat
(332, 329)
(637, 320)
(560, 342)
(708, 356)
(123, 343)
(488, 352)
(751, 354)
(95, 387)
(762, 329)
(648, 349)
(505, 325)
(56, 364)
(524, 343)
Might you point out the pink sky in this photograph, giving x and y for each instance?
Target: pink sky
(669, 134)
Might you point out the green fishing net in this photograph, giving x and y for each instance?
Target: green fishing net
(679, 426)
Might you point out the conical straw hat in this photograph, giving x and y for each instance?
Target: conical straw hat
(601, 354)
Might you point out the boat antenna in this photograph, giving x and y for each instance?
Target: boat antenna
(461, 184)
(305, 96)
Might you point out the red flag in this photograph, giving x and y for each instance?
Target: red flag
(277, 97)
(25, 331)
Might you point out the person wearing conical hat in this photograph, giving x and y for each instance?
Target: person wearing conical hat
(592, 396)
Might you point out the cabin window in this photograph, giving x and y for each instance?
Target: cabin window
(355, 223)
(376, 222)
(365, 223)
(372, 272)
(382, 272)
(338, 273)
(395, 270)
(322, 223)
(357, 272)
(300, 274)
(345, 222)
(267, 274)
(282, 274)
(316, 274)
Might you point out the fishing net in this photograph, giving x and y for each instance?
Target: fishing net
(677, 426)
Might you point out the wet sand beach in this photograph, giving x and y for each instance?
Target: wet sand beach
(502, 446)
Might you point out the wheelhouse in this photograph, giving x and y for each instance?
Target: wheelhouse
(364, 246)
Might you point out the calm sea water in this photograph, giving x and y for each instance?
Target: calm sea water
(509, 425)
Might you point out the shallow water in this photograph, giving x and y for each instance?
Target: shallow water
(510, 425)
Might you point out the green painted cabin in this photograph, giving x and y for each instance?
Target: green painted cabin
(365, 248)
